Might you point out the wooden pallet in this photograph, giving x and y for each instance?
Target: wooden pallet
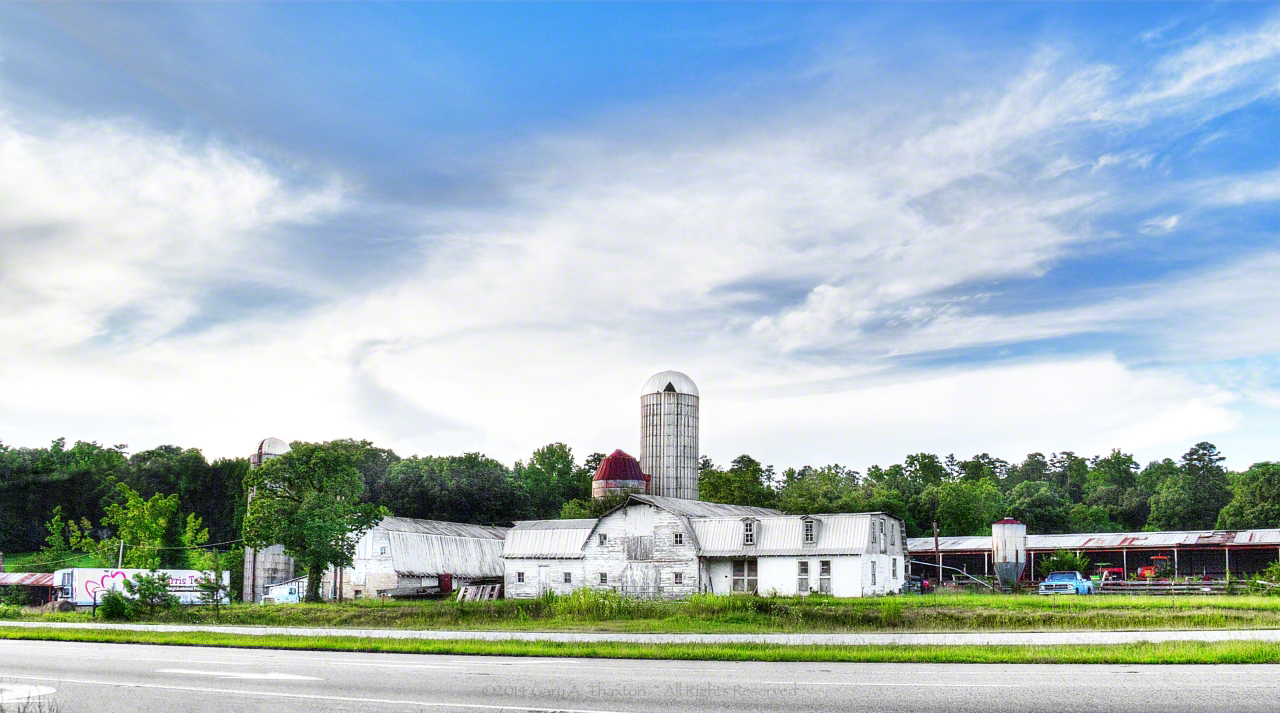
(479, 592)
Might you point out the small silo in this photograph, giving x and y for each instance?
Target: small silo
(1009, 550)
(669, 435)
(618, 473)
(269, 565)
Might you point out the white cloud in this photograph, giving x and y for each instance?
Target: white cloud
(101, 218)
(1162, 224)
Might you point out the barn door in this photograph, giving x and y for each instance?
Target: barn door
(544, 579)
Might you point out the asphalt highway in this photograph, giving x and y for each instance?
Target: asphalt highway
(74, 677)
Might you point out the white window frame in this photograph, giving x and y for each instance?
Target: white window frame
(748, 532)
(520, 577)
(604, 577)
(810, 532)
(873, 573)
(602, 539)
(745, 576)
(678, 578)
(824, 576)
(802, 576)
(678, 538)
(893, 567)
(568, 577)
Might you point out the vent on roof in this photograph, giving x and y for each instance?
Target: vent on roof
(670, 388)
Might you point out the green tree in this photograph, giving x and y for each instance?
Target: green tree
(981, 466)
(925, 469)
(1034, 468)
(212, 588)
(140, 523)
(56, 552)
(308, 500)
(1089, 518)
(1069, 472)
(467, 488)
(1041, 506)
(1062, 561)
(1256, 500)
(150, 591)
(1113, 485)
(1191, 498)
(965, 507)
(746, 482)
(809, 490)
(591, 507)
(551, 478)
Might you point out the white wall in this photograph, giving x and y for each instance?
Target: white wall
(554, 571)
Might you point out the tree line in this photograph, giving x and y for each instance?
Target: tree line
(169, 502)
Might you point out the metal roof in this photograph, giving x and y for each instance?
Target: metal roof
(271, 447)
(1258, 537)
(26, 579)
(620, 466)
(1106, 540)
(414, 554)
(548, 539)
(678, 382)
(698, 508)
(836, 534)
(439, 527)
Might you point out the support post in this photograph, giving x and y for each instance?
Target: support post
(1124, 554)
(1227, 551)
(937, 552)
(1175, 563)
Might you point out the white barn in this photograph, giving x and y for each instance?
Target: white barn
(403, 556)
(671, 547)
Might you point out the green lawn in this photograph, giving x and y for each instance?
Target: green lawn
(1141, 653)
(20, 561)
(591, 611)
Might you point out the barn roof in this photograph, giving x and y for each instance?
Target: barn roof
(548, 539)
(836, 534)
(1107, 540)
(26, 579)
(428, 548)
(439, 527)
(698, 508)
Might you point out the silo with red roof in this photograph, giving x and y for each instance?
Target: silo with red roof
(618, 473)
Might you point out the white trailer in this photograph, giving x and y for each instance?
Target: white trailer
(84, 586)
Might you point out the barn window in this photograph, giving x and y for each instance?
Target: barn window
(519, 576)
(679, 578)
(603, 538)
(873, 532)
(679, 538)
(802, 581)
(893, 567)
(382, 550)
(824, 576)
(745, 576)
(748, 532)
(873, 573)
(568, 577)
(604, 577)
(808, 532)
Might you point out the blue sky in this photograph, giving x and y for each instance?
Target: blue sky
(865, 230)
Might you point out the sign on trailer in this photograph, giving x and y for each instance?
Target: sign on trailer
(85, 586)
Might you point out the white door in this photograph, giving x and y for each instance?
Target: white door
(544, 579)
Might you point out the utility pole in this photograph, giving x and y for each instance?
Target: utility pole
(120, 561)
(937, 552)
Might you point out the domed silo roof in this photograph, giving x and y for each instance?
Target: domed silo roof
(619, 465)
(272, 447)
(669, 381)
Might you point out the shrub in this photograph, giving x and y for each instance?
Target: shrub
(114, 606)
(1062, 561)
(151, 591)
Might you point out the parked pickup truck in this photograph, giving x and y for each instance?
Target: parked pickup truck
(1066, 583)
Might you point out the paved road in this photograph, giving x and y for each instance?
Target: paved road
(1013, 638)
(127, 678)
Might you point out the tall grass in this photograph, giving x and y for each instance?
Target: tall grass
(606, 611)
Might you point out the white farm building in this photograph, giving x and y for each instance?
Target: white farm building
(672, 547)
(405, 557)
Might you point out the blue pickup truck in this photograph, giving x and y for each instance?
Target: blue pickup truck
(1066, 583)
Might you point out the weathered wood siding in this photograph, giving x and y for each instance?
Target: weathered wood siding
(640, 554)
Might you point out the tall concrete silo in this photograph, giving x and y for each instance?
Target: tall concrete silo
(1009, 549)
(269, 565)
(669, 435)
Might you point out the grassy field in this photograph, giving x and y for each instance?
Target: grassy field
(1142, 653)
(19, 561)
(592, 611)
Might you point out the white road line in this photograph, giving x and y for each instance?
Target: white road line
(312, 696)
(268, 676)
(906, 684)
(280, 660)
